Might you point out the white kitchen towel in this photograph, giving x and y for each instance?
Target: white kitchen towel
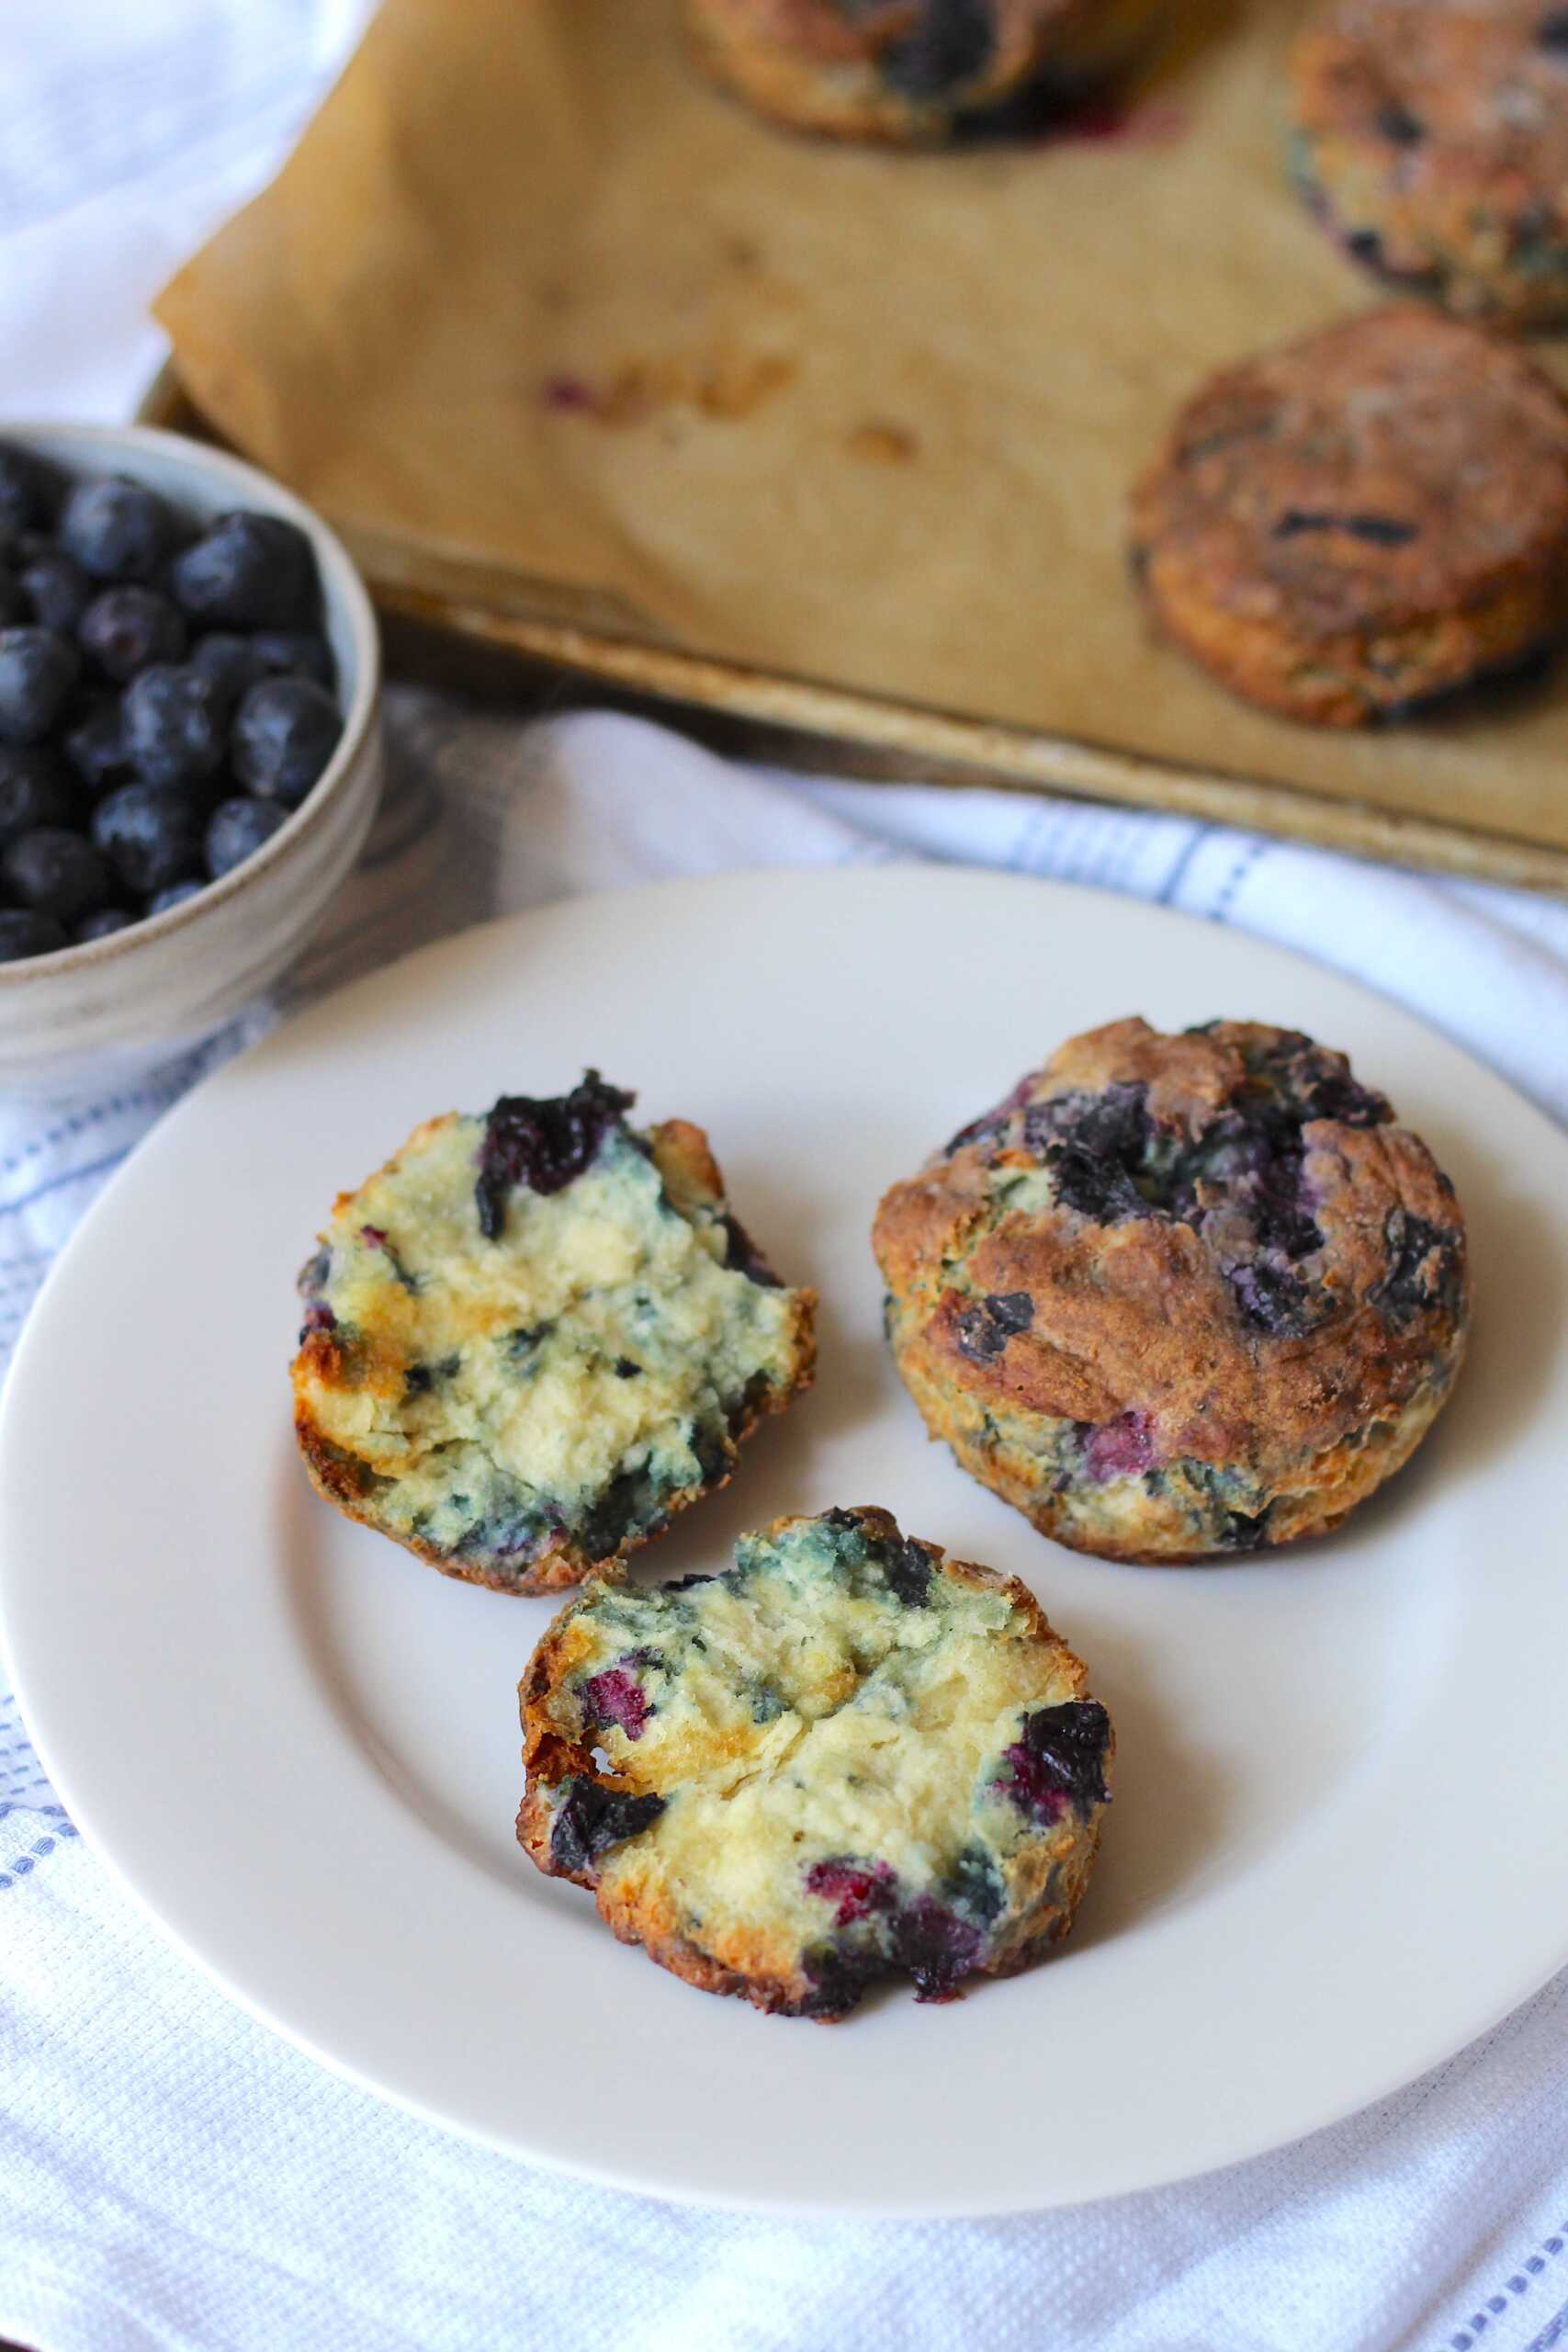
(171, 2175)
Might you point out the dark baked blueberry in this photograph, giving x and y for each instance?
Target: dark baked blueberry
(94, 744)
(857, 1888)
(115, 528)
(294, 654)
(176, 895)
(1424, 1273)
(14, 609)
(1399, 126)
(742, 1254)
(151, 834)
(616, 1697)
(543, 1143)
(25, 487)
(58, 592)
(1373, 530)
(626, 1370)
(247, 572)
(951, 43)
(1124, 1448)
(1059, 1761)
(935, 1946)
(1552, 33)
(125, 629)
(23, 933)
(33, 791)
(908, 1566)
(286, 730)
(102, 923)
(238, 828)
(37, 670)
(984, 1329)
(1093, 1145)
(174, 726)
(594, 1818)
(57, 873)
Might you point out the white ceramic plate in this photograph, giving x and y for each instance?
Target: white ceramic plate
(1342, 1772)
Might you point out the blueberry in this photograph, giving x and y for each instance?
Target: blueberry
(1552, 31)
(857, 1888)
(593, 1818)
(175, 896)
(116, 529)
(294, 654)
(285, 732)
(951, 43)
(936, 1947)
(125, 628)
(152, 835)
(1425, 1269)
(228, 662)
(33, 791)
(23, 933)
(94, 744)
(908, 1566)
(247, 572)
(742, 1255)
(237, 828)
(37, 670)
(56, 873)
(58, 591)
(14, 607)
(174, 726)
(1095, 1145)
(615, 1696)
(102, 924)
(984, 1329)
(1399, 126)
(1059, 1761)
(543, 1143)
(25, 490)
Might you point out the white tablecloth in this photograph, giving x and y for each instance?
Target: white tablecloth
(172, 2176)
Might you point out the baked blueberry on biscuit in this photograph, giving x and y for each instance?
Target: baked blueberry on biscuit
(1178, 1296)
(1349, 527)
(1432, 137)
(847, 1758)
(530, 1339)
(907, 70)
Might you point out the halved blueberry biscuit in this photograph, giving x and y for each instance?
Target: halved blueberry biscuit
(1432, 137)
(1179, 1297)
(847, 1758)
(531, 1338)
(909, 71)
(1303, 537)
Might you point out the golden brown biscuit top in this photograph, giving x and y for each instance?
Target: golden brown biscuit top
(1476, 92)
(1217, 1242)
(1393, 465)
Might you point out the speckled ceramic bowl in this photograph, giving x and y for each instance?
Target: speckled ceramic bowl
(83, 1013)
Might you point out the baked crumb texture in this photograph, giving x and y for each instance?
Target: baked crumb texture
(848, 1757)
(531, 1338)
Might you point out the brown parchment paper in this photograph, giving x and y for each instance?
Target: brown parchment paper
(531, 296)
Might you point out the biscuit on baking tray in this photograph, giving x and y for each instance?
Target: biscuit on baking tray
(1431, 136)
(845, 1759)
(531, 1338)
(1178, 1296)
(909, 71)
(1357, 524)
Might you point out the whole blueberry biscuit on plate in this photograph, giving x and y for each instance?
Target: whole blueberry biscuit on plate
(1432, 137)
(1352, 526)
(907, 70)
(847, 1758)
(1178, 1296)
(532, 1337)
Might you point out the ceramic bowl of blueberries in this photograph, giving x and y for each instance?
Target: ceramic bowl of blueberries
(190, 748)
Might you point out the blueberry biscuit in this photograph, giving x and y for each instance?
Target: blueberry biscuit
(1345, 528)
(533, 1337)
(907, 70)
(847, 1758)
(1179, 1295)
(1432, 137)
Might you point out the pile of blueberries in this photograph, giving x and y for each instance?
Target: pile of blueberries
(167, 698)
